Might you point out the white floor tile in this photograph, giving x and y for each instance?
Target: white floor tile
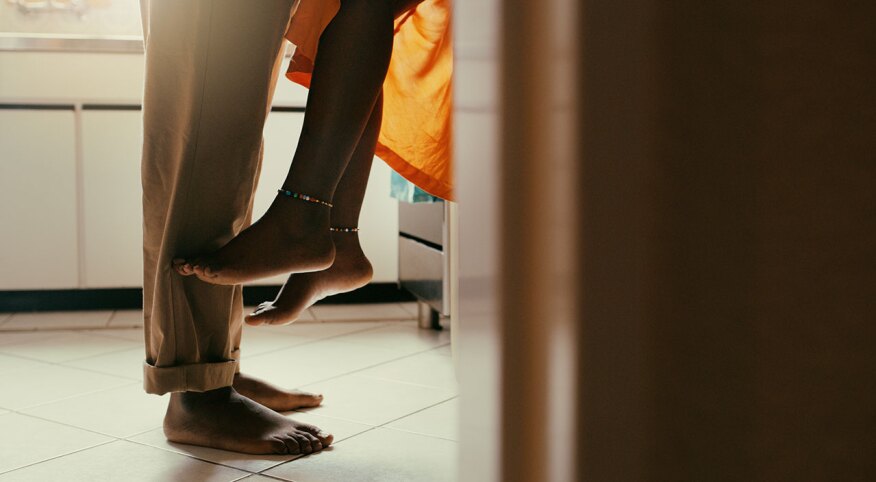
(124, 461)
(14, 363)
(89, 379)
(255, 341)
(411, 308)
(313, 362)
(124, 363)
(36, 386)
(442, 421)
(399, 336)
(118, 412)
(27, 440)
(319, 330)
(16, 337)
(446, 350)
(67, 346)
(374, 311)
(374, 401)
(132, 334)
(426, 369)
(126, 319)
(63, 320)
(379, 455)
(251, 463)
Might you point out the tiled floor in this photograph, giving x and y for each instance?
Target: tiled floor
(72, 406)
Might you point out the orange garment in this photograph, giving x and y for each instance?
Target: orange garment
(415, 138)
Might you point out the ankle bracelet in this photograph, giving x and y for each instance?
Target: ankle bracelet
(344, 230)
(303, 197)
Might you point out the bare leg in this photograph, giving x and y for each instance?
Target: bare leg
(351, 269)
(293, 235)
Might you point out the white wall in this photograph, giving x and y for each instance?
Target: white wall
(476, 151)
(86, 232)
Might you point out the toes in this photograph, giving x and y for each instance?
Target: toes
(324, 437)
(181, 266)
(209, 272)
(292, 446)
(262, 315)
(303, 442)
(279, 446)
(312, 400)
(314, 442)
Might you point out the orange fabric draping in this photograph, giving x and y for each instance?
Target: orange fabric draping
(415, 139)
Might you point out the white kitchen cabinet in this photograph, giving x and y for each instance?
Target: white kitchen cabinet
(38, 205)
(112, 216)
(71, 206)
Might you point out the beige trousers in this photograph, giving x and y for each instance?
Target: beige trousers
(211, 66)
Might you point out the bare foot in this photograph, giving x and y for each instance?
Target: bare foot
(350, 270)
(273, 397)
(292, 236)
(224, 419)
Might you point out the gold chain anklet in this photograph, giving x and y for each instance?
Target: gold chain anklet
(344, 230)
(303, 197)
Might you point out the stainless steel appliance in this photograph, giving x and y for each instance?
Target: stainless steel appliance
(424, 261)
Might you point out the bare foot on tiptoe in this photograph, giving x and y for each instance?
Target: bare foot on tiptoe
(350, 270)
(224, 419)
(273, 397)
(292, 236)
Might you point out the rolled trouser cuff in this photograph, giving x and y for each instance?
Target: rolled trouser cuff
(199, 377)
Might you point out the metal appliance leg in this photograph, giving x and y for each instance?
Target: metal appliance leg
(428, 317)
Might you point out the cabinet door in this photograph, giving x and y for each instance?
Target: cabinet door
(379, 219)
(38, 240)
(111, 146)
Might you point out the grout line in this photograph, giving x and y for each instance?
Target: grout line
(383, 425)
(419, 385)
(316, 340)
(38, 329)
(44, 419)
(90, 370)
(372, 428)
(308, 455)
(127, 381)
(135, 345)
(62, 363)
(248, 472)
(274, 477)
(58, 456)
(373, 366)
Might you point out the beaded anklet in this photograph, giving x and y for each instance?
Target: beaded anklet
(303, 197)
(344, 230)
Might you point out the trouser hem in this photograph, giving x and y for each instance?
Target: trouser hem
(199, 377)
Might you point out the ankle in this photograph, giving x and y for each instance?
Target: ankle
(188, 400)
(346, 241)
